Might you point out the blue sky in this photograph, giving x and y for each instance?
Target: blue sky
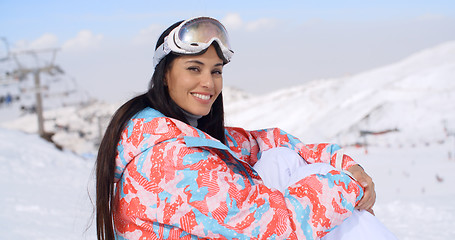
(277, 43)
(30, 19)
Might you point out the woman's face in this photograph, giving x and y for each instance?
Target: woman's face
(194, 82)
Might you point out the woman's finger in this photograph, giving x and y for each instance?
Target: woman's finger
(369, 197)
(371, 211)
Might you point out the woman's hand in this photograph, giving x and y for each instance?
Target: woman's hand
(369, 197)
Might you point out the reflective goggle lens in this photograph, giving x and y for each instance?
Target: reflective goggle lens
(202, 30)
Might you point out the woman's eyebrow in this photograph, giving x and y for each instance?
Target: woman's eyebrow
(201, 63)
(195, 61)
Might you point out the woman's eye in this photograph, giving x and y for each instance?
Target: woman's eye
(194, 69)
(218, 72)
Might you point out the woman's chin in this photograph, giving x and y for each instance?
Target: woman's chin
(200, 112)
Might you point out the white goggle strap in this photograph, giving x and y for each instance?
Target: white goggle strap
(161, 52)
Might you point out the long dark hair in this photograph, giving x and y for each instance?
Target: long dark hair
(156, 97)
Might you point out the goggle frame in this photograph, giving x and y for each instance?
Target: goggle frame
(174, 43)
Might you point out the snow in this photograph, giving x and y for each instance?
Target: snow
(415, 193)
(46, 192)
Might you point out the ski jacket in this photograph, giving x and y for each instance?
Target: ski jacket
(174, 181)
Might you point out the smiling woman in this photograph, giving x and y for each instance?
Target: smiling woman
(168, 168)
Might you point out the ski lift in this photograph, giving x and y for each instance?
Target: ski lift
(4, 50)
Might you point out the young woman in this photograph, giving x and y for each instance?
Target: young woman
(168, 168)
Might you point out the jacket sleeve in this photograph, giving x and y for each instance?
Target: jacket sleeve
(170, 189)
(250, 145)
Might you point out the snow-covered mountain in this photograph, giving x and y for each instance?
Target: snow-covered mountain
(411, 102)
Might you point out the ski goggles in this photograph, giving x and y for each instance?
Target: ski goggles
(194, 36)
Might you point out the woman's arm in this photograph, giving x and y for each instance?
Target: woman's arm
(252, 143)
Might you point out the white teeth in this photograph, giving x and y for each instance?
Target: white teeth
(201, 96)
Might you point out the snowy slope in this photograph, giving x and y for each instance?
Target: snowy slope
(44, 191)
(76, 128)
(415, 96)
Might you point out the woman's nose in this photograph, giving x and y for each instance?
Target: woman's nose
(207, 80)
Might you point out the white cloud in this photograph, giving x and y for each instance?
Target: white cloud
(260, 24)
(35, 53)
(85, 39)
(47, 40)
(232, 21)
